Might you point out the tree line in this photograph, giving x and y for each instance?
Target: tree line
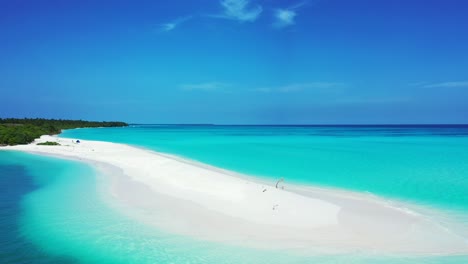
(14, 131)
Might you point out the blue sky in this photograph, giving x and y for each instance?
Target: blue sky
(236, 61)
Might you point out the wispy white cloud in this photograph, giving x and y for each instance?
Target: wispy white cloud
(240, 10)
(207, 86)
(447, 84)
(372, 100)
(298, 87)
(166, 27)
(286, 16)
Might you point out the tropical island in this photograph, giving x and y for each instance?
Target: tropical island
(14, 131)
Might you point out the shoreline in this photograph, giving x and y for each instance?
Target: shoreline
(198, 200)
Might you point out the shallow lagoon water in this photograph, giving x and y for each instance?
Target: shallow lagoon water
(52, 211)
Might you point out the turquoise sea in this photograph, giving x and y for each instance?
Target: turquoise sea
(51, 212)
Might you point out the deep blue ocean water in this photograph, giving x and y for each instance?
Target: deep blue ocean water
(51, 212)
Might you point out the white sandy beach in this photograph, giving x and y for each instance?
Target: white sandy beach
(207, 203)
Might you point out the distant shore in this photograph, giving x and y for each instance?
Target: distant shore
(207, 203)
(16, 131)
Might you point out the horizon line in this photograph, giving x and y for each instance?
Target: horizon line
(362, 124)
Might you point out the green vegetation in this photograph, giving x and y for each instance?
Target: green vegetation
(49, 143)
(23, 131)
